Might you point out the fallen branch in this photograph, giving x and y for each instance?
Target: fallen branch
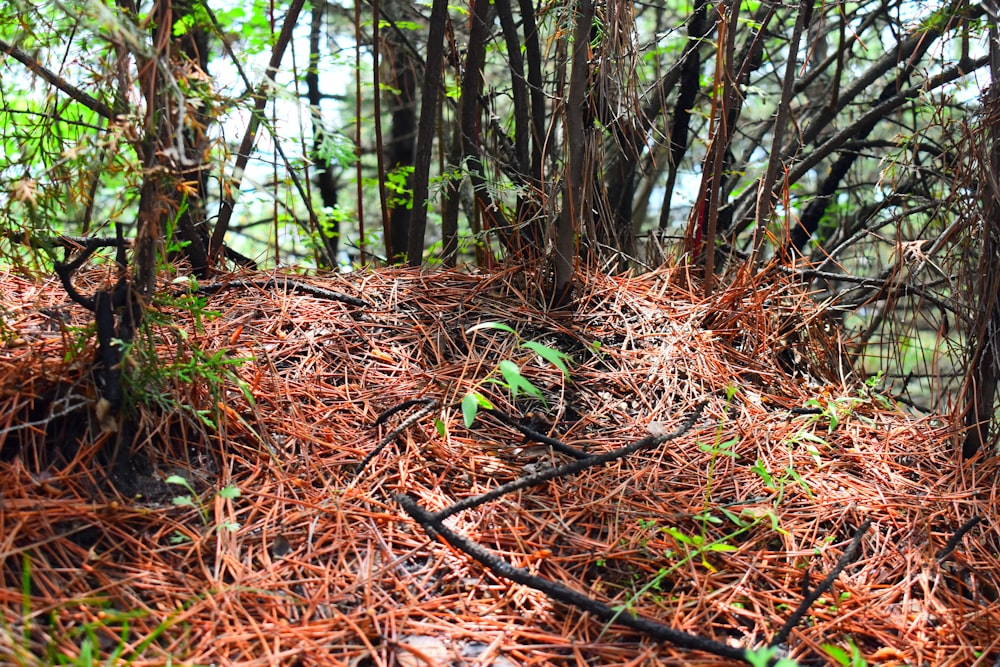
(427, 406)
(600, 610)
(952, 543)
(532, 434)
(286, 283)
(567, 469)
(845, 560)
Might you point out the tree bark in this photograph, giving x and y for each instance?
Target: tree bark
(329, 236)
(425, 130)
(981, 385)
(572, 214)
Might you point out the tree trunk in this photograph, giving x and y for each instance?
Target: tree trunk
(572, 214)
(400, 77)
(981, 385)
(329, 235)
(425, 130)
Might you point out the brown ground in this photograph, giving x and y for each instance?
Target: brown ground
(325, 568)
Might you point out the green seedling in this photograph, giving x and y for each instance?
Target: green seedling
(810, 440)
(108, 640)
(693, 546)
(190, 499)
(508, 373)
(779, 484)
(715, 450)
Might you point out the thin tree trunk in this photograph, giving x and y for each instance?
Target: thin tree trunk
(329, 236)
(400, 148)
(572, 214)
(425, 130)
(690, 83)
(246, 145)
(533, 59)
(765, 198)
(527, 199)
(465, 150)
(981, 387)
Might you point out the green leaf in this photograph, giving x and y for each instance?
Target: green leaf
(554, 357)
(511, 372)
(490, 325)
(762, 656)
(179, 481)
(762, 472)
(679, 536)
(790, 471)
(834, 420)
(516, 382)
(735, 518)
(229, 492)
(470, 406)
(838, 654)
(810, 437)
(471, 403)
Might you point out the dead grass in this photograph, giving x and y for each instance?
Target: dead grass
(325, 568)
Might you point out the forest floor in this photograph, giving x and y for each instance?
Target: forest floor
(281, 552)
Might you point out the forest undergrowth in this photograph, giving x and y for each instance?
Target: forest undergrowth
(239, 529)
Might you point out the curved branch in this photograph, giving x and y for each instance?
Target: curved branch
(62, 84)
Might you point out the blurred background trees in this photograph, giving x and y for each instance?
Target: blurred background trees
(849, 144)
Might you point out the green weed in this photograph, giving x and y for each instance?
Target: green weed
(107, 640)
(508, 374)
(854, 658)
(191, 499)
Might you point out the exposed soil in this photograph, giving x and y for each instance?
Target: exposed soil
(716, 533)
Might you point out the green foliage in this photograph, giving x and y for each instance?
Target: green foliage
(715, 450)
(106, 640)
(250, 23)
(336, 149)
(772, 484)
(854, 658)
(833, 411)
(471, 403)
(688, 547)
(764, 656)
(397, 187)
(401, 25)
(510, 376)
(191, 499)
(154, 381)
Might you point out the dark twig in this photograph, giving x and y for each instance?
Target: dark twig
(428, 406)
(823, 586)
(952, 543)
(600, 610)
(94, 242)
(81, 243)
(286, 283)
(399, 407)
(65, 271)
(567, 469)
(62, 84)
(117, 313)
(534, 435)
